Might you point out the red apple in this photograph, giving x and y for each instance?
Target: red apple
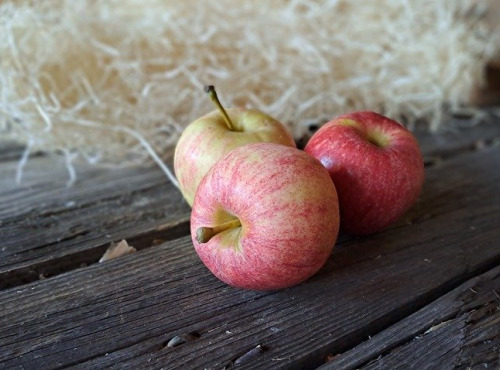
(210, 137)
(376, 165)
(265, 217)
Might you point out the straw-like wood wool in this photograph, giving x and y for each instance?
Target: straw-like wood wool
(110, 81)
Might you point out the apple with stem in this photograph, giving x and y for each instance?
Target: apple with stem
(265, 217)
(376, 165)
(210, 137)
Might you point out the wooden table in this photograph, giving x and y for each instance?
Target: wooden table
(424, 293)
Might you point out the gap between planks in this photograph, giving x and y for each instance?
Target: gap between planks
(49, 229)
(461, 328)
(120, 313)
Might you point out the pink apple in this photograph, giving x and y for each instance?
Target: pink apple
(209, 138)
(265, 217)
(376, 165)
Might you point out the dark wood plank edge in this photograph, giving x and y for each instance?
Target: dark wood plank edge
(462, 315)
(73, 226)
(250, 351)
(175, 299)
(142, 237)
(10, 151)
(472, 267)
(436, 148)
(466, 132)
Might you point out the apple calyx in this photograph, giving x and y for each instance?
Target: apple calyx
(210, 90)
(204, 234)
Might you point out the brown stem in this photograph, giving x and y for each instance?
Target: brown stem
(204, 234)
(210, 90)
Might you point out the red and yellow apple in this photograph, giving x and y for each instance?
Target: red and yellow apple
(376, 165)
(265, 217)
(210, 137)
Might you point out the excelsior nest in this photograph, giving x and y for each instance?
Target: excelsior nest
(114, 82)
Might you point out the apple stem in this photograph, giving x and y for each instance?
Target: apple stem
(210, 90)
(204, 234)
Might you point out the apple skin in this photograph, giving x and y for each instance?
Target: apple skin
(376, 166)
(208, 139)
(288, 209)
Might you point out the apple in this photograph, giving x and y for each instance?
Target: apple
(210, 137)
(376, 166)
(265, 217)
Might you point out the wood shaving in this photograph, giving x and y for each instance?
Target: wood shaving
(115, 82)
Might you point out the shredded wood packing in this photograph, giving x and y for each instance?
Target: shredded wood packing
(115, 82)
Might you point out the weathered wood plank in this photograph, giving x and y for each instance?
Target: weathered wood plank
(47, 227)
(122, 313)
(459, 329)
(461, 135)
(10, 151)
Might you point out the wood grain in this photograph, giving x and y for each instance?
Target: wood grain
(468, 132)
(10, 151)
(47, 228)
(458, 329)
(124, 312)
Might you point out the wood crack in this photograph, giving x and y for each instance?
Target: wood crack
(56, 265)
(472, 307)
(403, 286)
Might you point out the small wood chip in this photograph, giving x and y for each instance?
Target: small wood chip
(175, 341)
(438, 326)
(250, 355)
(181, 339)
(117, 250)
